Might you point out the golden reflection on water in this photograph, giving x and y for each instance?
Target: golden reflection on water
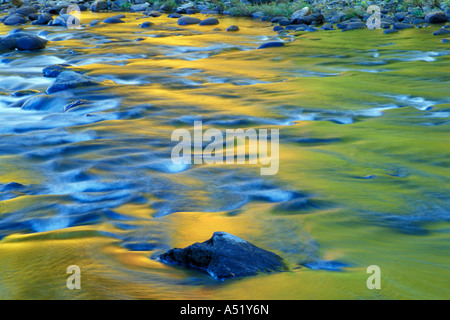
(345, 224)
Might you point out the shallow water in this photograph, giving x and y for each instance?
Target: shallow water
(363, 178)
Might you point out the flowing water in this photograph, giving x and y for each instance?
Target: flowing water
(363, 178)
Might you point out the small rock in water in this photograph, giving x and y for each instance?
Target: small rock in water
(388, 31)
(113, 20)
(22, 93)
(71, 80)
(209, 22)
(441, 31)
(185, 20)
(225, 256)
(401, 25)
(174, 15)
(271, 44)
(54, 70)
(232, 28)
(145, 24)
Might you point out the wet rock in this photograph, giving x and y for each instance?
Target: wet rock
(154, 14)
(436, 17)
(94, 23)
(23, 93)
(112, 20)
(43, 19)
(401, 25)
(400, 15)
(278, 28)
(441, 31)
(145, 24)
(22, 41)
(14, 20)
(31, 43)
(54, 70)
(327, 27)
(271, 44)
(232, 28)
(185, 20)
(42, 102)
(99, 5)
(354, 26)
(7, 44)
(139, 7)
(211, 21)
(174, 15)
(74, 104)
(225, 256)
(26, 10)
(389, 31)
(306, 11)
(71, 80)
(317, 18)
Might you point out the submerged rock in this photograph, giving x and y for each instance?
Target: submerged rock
(71, 80)
(225, 256)
(271, 44)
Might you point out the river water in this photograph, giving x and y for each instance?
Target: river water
(363, 178)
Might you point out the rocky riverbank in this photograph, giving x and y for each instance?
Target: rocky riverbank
(284, 13)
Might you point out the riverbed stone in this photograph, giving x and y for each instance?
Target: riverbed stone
(211, 21)
(306, 11)
(99, 5)
(225, 256)
(31, 42)
(186, 20)
(232, 28)
(52, 71)
(401, 25)
(26, 10)
(112, 20)
(271, 44)
(43, 19)
(14, 20)
(441, 31)
(436, 17)
(71, 80)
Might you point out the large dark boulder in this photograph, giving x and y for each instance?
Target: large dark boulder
(22, 41)
(31, 43)
(225, 256)
(436, 17)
